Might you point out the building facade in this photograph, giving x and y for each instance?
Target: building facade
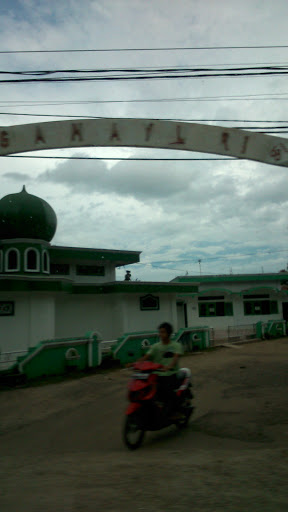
(231, 300)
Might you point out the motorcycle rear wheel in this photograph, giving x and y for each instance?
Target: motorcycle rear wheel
(133, 434)
(184, 422)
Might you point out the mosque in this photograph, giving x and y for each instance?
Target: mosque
(49, 291)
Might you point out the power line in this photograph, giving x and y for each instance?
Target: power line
(161, 268)
(169, 269)
(150, 69)
(163, 119)
(83, 116)
(145, 77)
(159, 264)
(264, 129)
(258, 97)
(159, 49)
(226, 257)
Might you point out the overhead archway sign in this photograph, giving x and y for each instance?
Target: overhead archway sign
(143, 133)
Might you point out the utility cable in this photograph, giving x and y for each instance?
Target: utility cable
(254, 97)
(149, 76)
(158, 49)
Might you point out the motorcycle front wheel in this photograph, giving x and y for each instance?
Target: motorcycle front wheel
(133, 434)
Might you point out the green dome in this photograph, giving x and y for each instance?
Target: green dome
(23, 215)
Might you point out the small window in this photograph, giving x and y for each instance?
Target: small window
(32, 260)
(249, 297)
(1, 261)
(45, 262)
(90, 270)
(59, 269)
(215, 297)
(149, 303)
(12, 260)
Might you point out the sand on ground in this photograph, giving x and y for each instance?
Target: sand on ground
(61, 447)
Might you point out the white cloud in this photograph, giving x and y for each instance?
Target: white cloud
(170, 210)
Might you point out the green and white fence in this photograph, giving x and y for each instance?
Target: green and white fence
(59, 356)
(271, 329)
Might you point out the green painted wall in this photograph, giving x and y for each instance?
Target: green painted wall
(271, 329)
(130, 346)
(52, 362)
(49, 357)
(193, 338)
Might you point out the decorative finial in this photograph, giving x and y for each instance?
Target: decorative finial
(23, 189)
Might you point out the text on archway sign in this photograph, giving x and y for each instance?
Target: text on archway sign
(144, 133)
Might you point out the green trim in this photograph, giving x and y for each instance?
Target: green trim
(63, 285)
(133, 288)
(231, 278)
(69, 254)
(259, 289)
(16, 283)
(39, 285)
(217, 290)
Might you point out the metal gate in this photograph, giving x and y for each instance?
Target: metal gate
(241, 332)
(232, 334)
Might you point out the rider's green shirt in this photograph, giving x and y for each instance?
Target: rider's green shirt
(163, 354)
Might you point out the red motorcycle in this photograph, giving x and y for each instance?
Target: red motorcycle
(147, 410)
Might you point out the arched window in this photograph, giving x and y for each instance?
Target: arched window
(32, 260)
(12, 260)
(45, 262)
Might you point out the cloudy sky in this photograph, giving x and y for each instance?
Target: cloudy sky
(231, 215)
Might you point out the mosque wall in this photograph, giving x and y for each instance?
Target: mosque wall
(32, 320)
(75, 315)
(136, 319)
(42, 318)
(111, 315)
(15, 329)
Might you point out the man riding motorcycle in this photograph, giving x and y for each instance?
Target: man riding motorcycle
(166, 353)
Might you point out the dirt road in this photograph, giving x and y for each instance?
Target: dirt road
(61, 447)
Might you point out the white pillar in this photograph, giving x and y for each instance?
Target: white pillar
(42, 319)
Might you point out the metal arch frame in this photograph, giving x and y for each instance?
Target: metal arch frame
(143, 133)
